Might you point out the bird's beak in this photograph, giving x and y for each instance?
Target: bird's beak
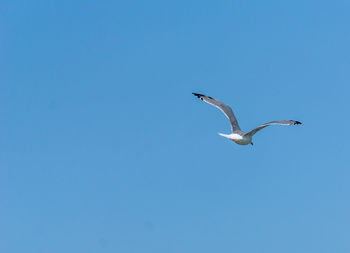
(252, 143)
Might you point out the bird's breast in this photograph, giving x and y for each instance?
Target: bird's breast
(236, 137)
(241, 139)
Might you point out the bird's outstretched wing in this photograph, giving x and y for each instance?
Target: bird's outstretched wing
(278, 122)
(224, 108)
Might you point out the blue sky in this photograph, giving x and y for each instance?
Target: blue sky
(103, 148)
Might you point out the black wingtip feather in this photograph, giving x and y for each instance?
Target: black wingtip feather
(197, 95)
(297, 123)
(201, 95)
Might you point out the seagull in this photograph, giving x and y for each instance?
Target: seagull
(237, 135)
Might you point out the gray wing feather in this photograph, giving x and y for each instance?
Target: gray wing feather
(223, 107)
(277, 122)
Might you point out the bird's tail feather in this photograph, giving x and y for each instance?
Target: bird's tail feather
(224, 135)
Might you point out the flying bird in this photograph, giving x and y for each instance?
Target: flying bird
(237, 135)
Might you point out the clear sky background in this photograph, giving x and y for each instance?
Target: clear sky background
(103, 148)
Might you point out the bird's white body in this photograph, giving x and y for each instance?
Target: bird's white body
(239, 139)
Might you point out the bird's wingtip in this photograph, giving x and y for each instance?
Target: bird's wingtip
(197, 94)
(297, 123)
